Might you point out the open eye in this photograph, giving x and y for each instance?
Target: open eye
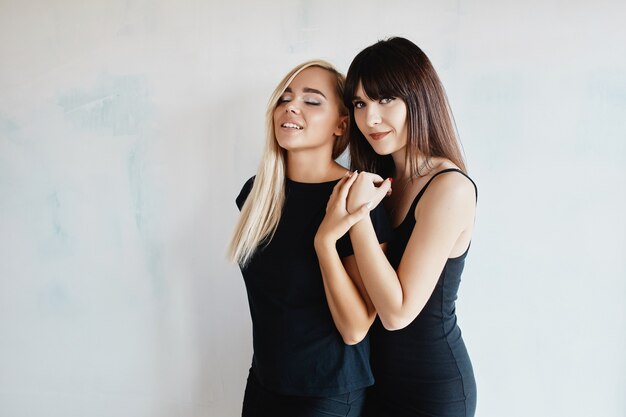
(386, 100)
(358, 104)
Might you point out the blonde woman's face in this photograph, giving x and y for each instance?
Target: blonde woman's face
(307, 114)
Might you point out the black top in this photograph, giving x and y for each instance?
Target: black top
(426, 363)
(297, 348)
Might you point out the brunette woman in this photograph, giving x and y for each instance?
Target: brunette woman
(403, 129)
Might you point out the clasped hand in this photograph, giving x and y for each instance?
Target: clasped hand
(351, 200)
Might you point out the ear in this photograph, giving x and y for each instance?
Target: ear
(342, 126)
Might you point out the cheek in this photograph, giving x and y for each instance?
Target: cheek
(277, 112)
(322, 119)
(401, 115)
(359, 118)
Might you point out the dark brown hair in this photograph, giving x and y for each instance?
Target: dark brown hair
(396, 67)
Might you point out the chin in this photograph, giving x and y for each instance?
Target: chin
(286, 144)
(386, 148)
(383, 150)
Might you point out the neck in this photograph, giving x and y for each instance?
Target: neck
(402, 169)
(307, 168)
(400, 165)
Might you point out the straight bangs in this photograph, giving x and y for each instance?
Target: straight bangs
(377, 71)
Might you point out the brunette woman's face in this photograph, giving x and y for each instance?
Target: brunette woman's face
(307, 114)
(383, 122)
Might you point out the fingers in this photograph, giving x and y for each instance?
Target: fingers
(343, 179)
(377, 179)
(345, 187)
(370, 176)
(337, 186)
(341, 189)
(371, 185)
(383, 190)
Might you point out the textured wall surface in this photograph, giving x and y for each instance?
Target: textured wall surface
(128, 127)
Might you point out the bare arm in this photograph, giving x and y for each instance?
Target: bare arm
(350, 306)
(444, 220)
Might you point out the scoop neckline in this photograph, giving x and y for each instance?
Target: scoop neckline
(312, 183)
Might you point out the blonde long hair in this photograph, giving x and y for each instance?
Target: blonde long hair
(264, 205)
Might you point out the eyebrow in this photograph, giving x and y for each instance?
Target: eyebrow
(357, 98)
(307, 90)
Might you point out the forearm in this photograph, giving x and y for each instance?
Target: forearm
(349, 310)
(380, 279)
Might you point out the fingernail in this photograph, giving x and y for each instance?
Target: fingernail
(369, 205)
(390, 179)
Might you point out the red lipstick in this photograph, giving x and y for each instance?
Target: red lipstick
(378, 135)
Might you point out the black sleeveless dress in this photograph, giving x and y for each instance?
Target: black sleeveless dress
(423, 369)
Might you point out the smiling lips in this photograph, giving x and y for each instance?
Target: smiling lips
(291, 125)
(378, 135)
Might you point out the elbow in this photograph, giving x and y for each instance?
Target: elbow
(353, 338)
(395, 323)
(398, 320)
(356, 334)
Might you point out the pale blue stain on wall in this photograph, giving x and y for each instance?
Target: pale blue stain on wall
(116, 104)
(8, 129)
(58, 241)
(7, 126)
(55, 301)
(601, 123)
(146, 222)
(55, 208)
(154, 265)
(607, 87)
(134, 178)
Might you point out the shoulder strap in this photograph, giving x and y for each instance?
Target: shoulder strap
(419, 195)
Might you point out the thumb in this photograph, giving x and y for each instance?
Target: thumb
(383, 189)
(376, 179)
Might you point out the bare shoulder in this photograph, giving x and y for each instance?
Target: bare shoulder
(453, 183)
(451, 191)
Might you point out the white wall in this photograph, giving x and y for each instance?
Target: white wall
(128, 127)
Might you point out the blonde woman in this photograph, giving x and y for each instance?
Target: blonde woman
(303, 364)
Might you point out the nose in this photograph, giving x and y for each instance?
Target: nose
(292, 108)
(373, 116)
